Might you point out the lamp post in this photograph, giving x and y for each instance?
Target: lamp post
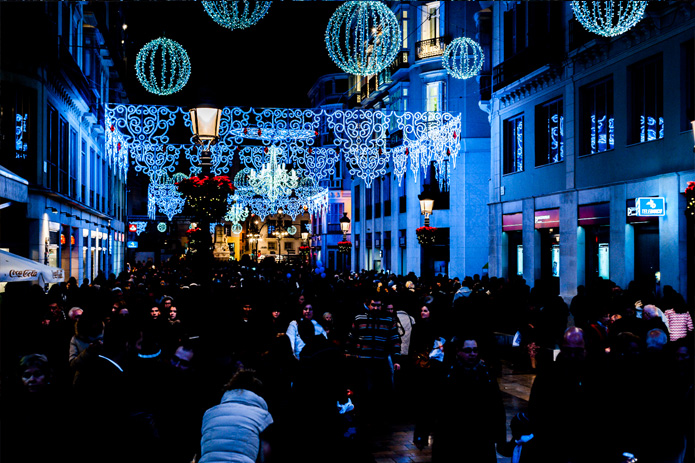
(205, 125)
(280, 232)
(426, 205)
(345, 225)
(305, 237)
(345, 228)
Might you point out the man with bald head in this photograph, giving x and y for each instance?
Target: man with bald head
(559, 406)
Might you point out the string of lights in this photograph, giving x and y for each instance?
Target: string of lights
(363, 38)
(162, 66)
(231, 16)
(608, 18)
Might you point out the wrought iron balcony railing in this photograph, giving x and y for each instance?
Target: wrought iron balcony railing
(430, 48)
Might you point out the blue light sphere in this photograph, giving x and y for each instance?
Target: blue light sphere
(363, 37)
(463, 58)
(237, 14)
(608, 18)
(162, 66)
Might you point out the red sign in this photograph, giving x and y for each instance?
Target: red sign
(132, 227)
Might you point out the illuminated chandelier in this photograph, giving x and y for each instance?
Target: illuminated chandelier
(463, 58)
(231, 16)
(273, 180)
(363, 37)
(162, 66)
(163, 195)
(608, 18)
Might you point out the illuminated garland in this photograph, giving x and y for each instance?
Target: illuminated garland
(162, 66)
(363, 38)
(229, 15)
(463, 58)
(608, 18)
(359, 135)
(139, 226)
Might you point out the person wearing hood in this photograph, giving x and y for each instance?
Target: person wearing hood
(235, 430)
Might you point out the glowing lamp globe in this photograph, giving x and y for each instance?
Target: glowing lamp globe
(608, 18)
(463, 58)
(237, 14)
(363, 38)
(163, 66)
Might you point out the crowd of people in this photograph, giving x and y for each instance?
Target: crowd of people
(278, 363)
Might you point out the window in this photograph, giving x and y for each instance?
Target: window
(84, 181)
(52, 159)
(596, 124)
(431, 184)
(386, 192)
(514, 144)
(549, 133)
(645, 110)
(430, 21)
(434, 96)
(64, 157)
(401, 194)
(357, 203)
(271, 228)
(515, 38)
(687, 84)
(74, 162)
(404, 32)
(368, 202)
(377, 198)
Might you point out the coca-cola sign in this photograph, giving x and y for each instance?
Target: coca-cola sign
(27, 273)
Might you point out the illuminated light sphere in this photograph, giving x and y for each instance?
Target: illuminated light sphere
(237, 228)
(238, 14)
(608, 18)
(161, 227)
(463, 58)
(162, 66)
(363, 37)
(291, 230)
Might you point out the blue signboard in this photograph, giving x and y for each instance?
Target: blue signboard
(650, 207)
(132, 244)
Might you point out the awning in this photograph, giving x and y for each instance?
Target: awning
(16, 268)
(13, 187)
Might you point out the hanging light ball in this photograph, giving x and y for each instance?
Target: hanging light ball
(363, 37)
(237, 228)
(608, 18)
(238, 14)
(162, 66)
(463, 58)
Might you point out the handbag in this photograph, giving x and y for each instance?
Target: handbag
(422, 360)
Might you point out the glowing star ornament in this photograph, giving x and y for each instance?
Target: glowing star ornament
(162, 66)
(236, 14)
(363, 38)
(608, 18)
(463, 58)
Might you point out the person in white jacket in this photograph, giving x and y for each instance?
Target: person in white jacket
(293, 329)
(233, 431)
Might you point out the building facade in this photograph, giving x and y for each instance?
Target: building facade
(386, 215)
(582, 126)
(60, 64)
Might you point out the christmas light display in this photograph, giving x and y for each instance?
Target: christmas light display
(463, 58)
(163, 195)
(236, 14)
(608, 18)
(360, 136)
(273, 180)
(139, 226)
(363, 38)
(162, 66)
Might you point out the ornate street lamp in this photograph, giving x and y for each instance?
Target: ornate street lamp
(345, 225)
(426, 205)
(205, 125)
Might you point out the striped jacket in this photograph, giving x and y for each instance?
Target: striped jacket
(374, 335)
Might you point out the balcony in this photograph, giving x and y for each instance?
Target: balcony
(430, 48)
(524, 63)
(400, 62)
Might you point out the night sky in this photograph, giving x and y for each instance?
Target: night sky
(271, 64)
